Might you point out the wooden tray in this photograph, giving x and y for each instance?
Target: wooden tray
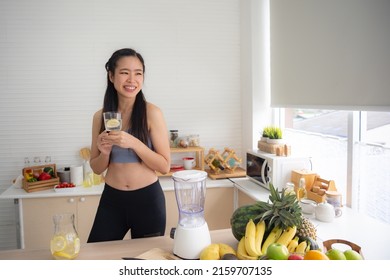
(238, 172)
(40, 185)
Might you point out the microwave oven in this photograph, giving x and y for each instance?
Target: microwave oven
(265, 168)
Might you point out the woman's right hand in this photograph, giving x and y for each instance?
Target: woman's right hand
(103, 145)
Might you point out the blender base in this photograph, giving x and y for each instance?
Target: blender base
(189, 242)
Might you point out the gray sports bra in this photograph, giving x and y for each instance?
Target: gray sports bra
(125, 155)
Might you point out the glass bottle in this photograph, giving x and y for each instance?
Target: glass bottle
(65, 243)
(301, 189)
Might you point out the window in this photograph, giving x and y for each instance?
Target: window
(324, 135)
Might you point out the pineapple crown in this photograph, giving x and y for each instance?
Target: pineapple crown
(281, 210)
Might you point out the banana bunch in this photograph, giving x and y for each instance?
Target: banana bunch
(300, 248)
(249, 247)
(254, 243)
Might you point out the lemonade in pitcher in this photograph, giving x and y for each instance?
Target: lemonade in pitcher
(65, 243)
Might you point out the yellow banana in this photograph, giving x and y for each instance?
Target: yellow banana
(241, 251)
(250, 236)
(287, 235)
(271, 238)
(307, 246)
(293, 244)
(260, 230)
(301, 248)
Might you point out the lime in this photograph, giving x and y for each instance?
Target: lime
(58, 243)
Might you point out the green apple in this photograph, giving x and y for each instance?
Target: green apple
(277, 251)
(335, 254)
(352, 255)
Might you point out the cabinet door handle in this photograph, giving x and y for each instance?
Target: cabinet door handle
(82, 199)
(71, 200)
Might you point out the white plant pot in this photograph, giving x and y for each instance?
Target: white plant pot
(275, 141)
(264, 139)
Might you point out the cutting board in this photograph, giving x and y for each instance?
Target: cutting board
(158, 254)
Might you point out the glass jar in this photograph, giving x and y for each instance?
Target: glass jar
(173, 135)
(334, 198)
(193, 140)
(65, 243)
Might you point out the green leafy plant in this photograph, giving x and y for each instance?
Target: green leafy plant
(267, 131)
(272, 132)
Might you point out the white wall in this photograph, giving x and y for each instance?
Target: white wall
(52, 77)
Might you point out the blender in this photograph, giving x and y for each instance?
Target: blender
(192, 234)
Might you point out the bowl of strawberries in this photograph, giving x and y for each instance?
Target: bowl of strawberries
(64, 187)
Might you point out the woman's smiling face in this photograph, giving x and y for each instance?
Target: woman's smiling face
(128, 78)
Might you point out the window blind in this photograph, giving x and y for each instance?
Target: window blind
(330, 54)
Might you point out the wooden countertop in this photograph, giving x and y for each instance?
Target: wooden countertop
(116, 250)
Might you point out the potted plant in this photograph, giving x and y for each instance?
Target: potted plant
(275, 135)
(265, 134)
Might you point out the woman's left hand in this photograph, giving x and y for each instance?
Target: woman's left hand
(120, 138)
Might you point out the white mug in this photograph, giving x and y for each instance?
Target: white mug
(189, 163)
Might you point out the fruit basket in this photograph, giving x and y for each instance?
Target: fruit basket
(328, 245)
(39, 185)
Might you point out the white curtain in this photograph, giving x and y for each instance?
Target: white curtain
(332, 54)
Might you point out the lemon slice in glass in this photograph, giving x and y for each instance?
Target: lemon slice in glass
(58, 243)
(113, 123)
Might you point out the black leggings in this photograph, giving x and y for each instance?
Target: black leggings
(142, 211)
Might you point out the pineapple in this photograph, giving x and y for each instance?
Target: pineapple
(281, 210)
(307, 229)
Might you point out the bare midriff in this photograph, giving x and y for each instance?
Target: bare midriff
(129, 176)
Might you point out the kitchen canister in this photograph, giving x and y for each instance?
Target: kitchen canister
(64, 174)
(76, 175)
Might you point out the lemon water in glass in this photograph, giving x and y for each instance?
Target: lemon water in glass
(112, 121)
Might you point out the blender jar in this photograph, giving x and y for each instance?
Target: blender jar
(190, 191)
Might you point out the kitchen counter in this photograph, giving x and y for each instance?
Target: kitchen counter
(14, 192)
(115, 250)
(372, 235)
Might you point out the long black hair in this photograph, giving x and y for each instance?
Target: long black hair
(138, 118)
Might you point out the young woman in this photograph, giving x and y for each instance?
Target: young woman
(132, 198)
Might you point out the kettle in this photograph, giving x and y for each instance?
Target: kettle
(325, 212)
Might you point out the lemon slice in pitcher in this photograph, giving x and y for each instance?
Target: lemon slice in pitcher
(58, 243)
(76, 244)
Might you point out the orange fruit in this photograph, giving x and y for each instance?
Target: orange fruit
(315, 255)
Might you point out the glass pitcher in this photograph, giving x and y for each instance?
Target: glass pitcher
(65, 243)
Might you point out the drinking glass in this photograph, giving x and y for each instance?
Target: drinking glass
(112, 121)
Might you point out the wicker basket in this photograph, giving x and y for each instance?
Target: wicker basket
(40, 185)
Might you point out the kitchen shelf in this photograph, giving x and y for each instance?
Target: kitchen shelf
(199, 158)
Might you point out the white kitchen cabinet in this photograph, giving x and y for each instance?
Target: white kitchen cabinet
(244, 199)
(38, 226)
